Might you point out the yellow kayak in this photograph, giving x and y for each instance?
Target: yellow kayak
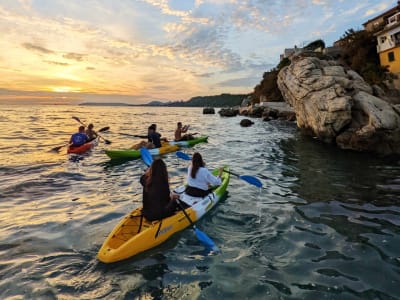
(134, 234)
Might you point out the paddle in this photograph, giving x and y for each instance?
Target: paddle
(56, 149)
(134, 135)
(249, 179)
(146, 156)
(201, 236)
(105, 141)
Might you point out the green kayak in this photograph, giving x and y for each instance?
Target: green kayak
(190, 143)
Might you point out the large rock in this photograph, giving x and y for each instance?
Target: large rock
(229, 112)
(338, 106)
(208, 111)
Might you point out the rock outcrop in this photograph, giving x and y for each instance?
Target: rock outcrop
(338, 106)
(208, 111)
(229, 112)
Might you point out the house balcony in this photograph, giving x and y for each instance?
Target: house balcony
(389, 44)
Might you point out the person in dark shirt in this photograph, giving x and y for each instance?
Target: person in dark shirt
(153, 139)
(158, 201)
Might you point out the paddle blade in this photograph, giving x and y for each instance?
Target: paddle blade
(56, 149)
(205, 240)
(182, 155)
(146, 156)
(252, 180)
(104, 129)
(76, 119)
(107, 142)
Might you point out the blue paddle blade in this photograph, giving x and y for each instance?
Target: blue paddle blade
(252, 180)
(203, 238)
(146, 156)
(183, 155)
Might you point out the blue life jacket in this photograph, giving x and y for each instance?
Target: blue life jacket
(79, 139)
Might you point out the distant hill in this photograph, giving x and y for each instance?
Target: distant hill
(106, 104)
(211, 101)
(200, 101)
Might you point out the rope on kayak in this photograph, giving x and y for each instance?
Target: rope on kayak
(158, 230)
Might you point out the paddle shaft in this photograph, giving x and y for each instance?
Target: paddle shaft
(185, 213)
(134, 135)
(232, 173)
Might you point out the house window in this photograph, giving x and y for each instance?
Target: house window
(391, 56)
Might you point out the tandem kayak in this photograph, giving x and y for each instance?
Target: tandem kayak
(192, 142)
(132, 154)
(134, 234)
(83, 148)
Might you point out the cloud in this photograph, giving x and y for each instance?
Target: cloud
(74, 56)
(375, 10)
(37, 48)
(249, 82)
(143, 47)
(56, 63)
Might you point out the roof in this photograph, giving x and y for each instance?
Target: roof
(386, 13)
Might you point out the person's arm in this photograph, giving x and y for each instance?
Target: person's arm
(185, 128)
(213, 180)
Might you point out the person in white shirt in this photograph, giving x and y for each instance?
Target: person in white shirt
(200, 179)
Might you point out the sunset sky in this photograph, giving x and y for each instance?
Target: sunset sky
(135, 51)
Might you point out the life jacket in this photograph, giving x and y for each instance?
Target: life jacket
(79, 139)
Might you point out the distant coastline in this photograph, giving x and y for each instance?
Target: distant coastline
(201, 101)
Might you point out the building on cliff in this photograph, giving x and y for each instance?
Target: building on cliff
(387, 26)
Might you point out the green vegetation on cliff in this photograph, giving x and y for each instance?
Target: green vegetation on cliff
(211, 101)
(359, 53)
(268, 87)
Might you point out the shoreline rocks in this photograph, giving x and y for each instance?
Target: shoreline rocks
(337, 106)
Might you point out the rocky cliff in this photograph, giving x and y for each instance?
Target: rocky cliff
(338, 106)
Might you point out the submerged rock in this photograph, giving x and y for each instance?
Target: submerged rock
(246, 123)
(338, 106)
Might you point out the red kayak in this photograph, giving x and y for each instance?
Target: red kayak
(83, 148)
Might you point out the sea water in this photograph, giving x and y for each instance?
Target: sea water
(325, 225)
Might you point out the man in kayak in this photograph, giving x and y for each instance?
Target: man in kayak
(153, 139)
(158, 201)
(91, 134)
(182, 129)
(79, 138)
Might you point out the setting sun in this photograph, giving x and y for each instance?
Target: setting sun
(65, 89)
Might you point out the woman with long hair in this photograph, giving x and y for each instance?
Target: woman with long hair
(158, 201)
(200, 179)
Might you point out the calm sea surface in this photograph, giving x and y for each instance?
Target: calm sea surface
(326, 225)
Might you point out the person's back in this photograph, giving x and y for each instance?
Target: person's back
(155, 138)
(157, 200)
(200, 179)
(79, 138)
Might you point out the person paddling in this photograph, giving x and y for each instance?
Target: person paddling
(91, 134)
(182, 129)
(200, 179)
(79, 138)
(153, 139)
(158, 201)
